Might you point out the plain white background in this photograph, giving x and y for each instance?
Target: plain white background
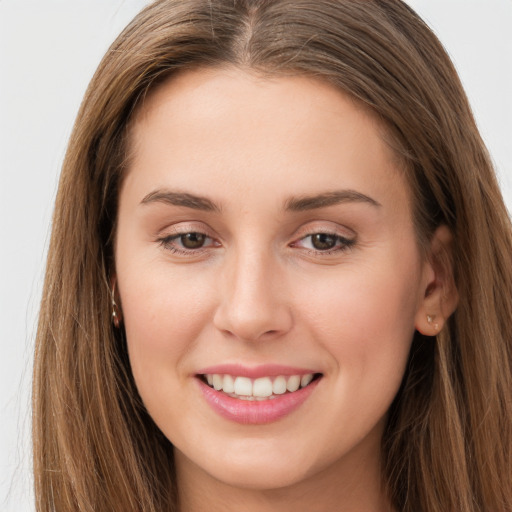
(48, 53)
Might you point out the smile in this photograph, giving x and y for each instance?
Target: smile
(262, 388)
(255, 396)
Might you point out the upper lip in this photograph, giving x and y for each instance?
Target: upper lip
(254, 372)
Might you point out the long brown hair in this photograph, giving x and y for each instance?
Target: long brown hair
(448, 442)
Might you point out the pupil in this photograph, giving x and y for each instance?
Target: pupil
(193, 240)
(323, 241)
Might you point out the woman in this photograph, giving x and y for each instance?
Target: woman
(280, 273)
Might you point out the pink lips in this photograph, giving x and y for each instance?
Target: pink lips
(255, 412)
(263, 370)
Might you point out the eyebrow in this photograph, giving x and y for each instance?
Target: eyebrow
(181, 199)
(294, 204)
(305, 203)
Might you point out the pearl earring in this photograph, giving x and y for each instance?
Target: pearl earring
(430, 320)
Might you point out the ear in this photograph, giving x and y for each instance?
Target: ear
(440, 296)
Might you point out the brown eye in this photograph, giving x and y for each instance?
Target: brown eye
(323, 241)
(193, 240)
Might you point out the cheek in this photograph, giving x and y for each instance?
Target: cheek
(163, 315)
(366, 319)
(366, 325)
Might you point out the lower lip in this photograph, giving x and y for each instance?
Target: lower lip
(255, 412)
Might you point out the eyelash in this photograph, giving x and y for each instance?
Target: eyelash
(167, 241)
(342, 244)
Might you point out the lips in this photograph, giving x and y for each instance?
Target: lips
(256, 395)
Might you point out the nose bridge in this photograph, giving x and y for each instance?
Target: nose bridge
(253, 302)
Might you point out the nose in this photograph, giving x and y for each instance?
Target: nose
(253, 304)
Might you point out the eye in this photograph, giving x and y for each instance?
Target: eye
(187, 242)
(325, 243)
(192, 240)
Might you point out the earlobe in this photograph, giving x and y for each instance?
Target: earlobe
(440, 296)
(429, 325)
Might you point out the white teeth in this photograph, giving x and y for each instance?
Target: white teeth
(262, 388)
(217, 381)
(306, 379)
(293, 383)
(228, 384)
(279, 385)
(243, 386)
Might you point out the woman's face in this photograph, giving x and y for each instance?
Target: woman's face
(265, 236)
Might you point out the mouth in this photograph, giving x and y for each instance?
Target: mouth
(259, 389)
(255, 395)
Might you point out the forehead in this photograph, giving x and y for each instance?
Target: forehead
(288, 133)
(210, 90)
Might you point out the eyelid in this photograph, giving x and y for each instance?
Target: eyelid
(345, 237)
(330, 228)
(167, 237)
(345, 243)
(183, 227)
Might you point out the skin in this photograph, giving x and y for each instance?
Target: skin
(258, 291)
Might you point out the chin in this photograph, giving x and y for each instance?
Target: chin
(254, 469)
(260, 478)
